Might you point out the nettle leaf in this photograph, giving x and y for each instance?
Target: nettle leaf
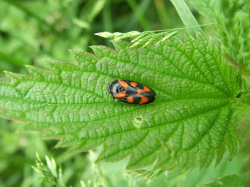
(191, 118)
(229, 181)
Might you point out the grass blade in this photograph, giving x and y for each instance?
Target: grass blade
(186, 16)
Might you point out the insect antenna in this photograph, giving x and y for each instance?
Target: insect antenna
(113, 77)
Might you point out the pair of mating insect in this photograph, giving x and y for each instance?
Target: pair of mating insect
(131, 92)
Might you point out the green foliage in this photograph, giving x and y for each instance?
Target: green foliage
(234, 29)
(241, 117)
(194, 73)
(233, 33)
(229, 181)
(31, 31)
(34, 30)
(145, 38)
(49, 173)
(99, 177)
(207, 8)
(233, 25)
(144, 174)
(226, 167)
(186, 16)
(72, 101)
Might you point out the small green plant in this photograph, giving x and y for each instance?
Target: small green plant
(72, 101)
(146, 38)
(230, 180)
(202, 87)
(48, 173)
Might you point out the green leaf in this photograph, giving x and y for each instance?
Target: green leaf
(48, 173)
(228, 181)
(148, 175)
(186, 16)
(191, 118)
(207, 7)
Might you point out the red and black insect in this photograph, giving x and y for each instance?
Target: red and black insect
(131, 92)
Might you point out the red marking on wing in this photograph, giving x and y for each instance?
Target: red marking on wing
(124, 84)
(143, 99)
(121, 94)
(145, 89)
(133, 84)
(130, 99)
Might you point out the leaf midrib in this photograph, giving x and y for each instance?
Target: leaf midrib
(146, 128)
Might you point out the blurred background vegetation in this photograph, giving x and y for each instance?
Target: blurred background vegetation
(33, 30)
